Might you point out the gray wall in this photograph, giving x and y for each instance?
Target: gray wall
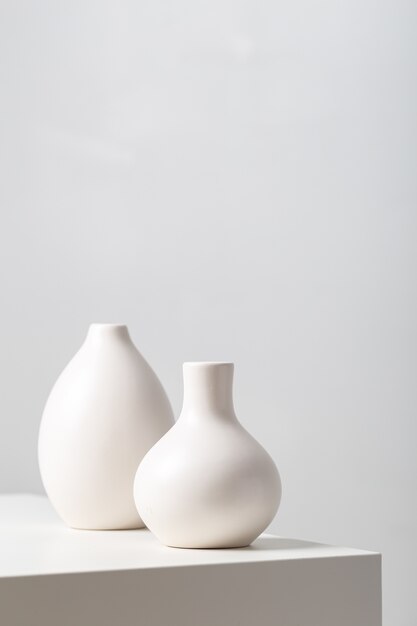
(233, 180)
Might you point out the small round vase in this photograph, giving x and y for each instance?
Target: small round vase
(207, 483)
(106, 410)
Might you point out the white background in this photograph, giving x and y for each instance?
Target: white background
(235, 181)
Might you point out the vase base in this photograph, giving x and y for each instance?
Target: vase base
(220, 547)
(108, 528)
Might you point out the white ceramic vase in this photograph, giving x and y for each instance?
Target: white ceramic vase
(207, 483)
(106, 410)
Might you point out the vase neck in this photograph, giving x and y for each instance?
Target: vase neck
(208, 390)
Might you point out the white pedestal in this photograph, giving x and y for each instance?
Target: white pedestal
(54, 576)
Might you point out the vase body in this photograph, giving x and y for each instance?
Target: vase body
(207, 483)
(106, 410)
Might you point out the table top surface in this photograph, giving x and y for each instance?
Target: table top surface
(34, 541)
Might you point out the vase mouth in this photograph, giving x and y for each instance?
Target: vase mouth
(207, 363)
(98, 331)
(108, 325)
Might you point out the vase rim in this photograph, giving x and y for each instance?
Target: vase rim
(97, 330)
(107, 325)
(207, 363)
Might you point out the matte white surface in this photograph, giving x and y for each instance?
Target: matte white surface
(51, 574)
(34, 541)
(235, 180)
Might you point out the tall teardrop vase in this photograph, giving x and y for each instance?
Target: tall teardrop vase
(106, 410)
(207, 483)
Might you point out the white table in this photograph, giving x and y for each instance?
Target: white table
(54, 576)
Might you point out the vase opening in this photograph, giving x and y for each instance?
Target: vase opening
(101, 331)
